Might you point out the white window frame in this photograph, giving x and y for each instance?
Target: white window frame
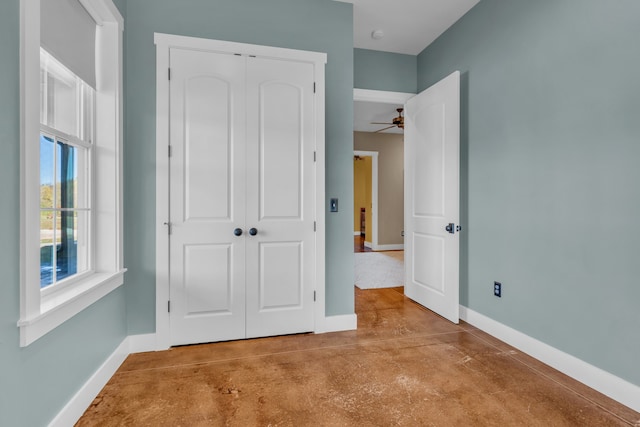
(41, 312)
(82, 140)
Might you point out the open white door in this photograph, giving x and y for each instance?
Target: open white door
(432, 197)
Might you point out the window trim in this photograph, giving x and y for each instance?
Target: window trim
(85, 120)
(40, 313)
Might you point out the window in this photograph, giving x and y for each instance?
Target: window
(66, 135)
(71, 205)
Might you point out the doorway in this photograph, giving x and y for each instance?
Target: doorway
(378, 216)
(378, 190)
(384, 217)
(431, 190)
(365, 190)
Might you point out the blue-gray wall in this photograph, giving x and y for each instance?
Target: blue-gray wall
(550, 151)
(376, 70)
(316, 25)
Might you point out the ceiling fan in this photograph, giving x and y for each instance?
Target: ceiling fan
(396, 122)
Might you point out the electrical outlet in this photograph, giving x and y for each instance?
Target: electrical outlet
(497, 289)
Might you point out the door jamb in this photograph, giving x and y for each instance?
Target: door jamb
(381, 96)
(163, 43)
(374, 195)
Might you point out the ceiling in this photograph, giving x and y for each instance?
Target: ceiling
(409, 26)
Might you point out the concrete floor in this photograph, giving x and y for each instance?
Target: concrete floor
(403, 366)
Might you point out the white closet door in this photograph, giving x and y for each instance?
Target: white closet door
(280, 197)
(207, 196)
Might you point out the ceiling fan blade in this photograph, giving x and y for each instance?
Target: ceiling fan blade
(396, 122)
(383, 129)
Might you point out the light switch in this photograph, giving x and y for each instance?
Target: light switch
(333, 206)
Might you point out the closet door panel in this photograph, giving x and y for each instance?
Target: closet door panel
(207, 148)
(280, 196)
(207, 196)
(280, 288)
(280, 151)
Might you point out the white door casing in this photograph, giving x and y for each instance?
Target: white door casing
(277, 187)
(432, 197)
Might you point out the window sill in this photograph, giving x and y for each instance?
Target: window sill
(59, 307)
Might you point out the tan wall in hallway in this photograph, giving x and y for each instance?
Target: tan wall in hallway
(390, 182)
(359, 190)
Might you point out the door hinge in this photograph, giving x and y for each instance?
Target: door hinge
(314, 156)
(314, 226)
(314, 296)
(168, 306)
(169, 73)
(314, 87)
(169, 150)
(169, 227)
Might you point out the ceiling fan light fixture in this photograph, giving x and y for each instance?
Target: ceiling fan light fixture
(377, 34)
(396, 122)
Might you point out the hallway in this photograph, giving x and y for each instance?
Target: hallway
(403, 366)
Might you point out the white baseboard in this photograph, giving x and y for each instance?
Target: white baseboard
(79, 403)
(345, 322)
(142, 343)
(606, 383)
(356, 233)
(368, 245)
(399, 247)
